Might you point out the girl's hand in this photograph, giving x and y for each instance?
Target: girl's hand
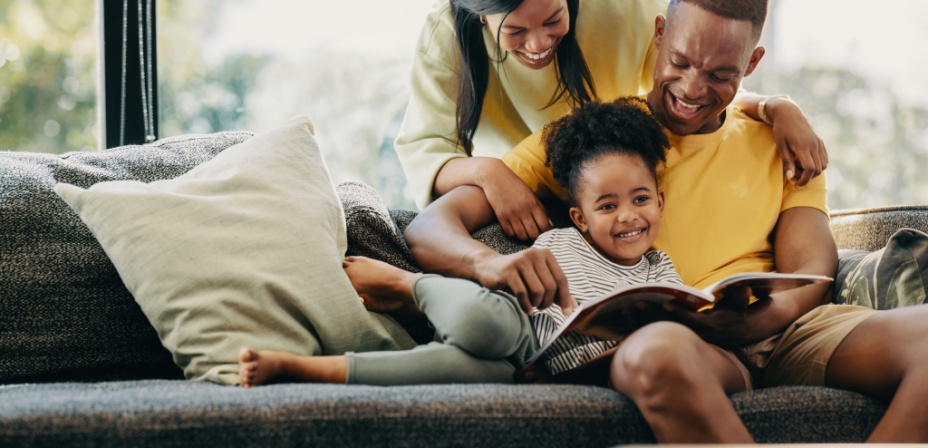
(803, 152)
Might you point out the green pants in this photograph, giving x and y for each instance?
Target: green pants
(480, 337)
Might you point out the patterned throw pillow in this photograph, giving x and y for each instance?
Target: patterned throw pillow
(892, 277)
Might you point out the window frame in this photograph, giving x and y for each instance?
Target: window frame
(116, 130)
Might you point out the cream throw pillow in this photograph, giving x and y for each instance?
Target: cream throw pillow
(243, 250)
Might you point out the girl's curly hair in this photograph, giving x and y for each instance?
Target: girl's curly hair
(624, 126)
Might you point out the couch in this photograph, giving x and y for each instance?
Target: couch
(81, 365)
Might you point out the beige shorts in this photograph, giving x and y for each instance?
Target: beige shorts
(800, 355)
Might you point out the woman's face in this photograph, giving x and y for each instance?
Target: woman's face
(532, 32)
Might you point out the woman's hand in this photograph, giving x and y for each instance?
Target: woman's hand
(514, 204)
(803, 152)
(517, 209)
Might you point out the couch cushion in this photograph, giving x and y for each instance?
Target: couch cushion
(245, 250)
(868, 229)
(894, 276)
(195, 414)
(64, 312)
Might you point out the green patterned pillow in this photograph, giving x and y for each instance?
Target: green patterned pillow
(892, 277)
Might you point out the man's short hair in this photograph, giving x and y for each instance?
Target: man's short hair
(754, 11)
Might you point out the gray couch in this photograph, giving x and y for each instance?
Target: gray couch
(81, 366)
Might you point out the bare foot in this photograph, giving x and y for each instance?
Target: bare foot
(383, 287)
(256, 367)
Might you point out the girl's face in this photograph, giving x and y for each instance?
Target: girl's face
(532, 31)
(619, 207)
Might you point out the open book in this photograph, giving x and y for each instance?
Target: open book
(608, 317)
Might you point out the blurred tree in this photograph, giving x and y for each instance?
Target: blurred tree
(48, 57)
(877, 143)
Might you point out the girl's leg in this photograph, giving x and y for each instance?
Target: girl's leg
(258, 367)
(434, 363)
(487, 324)
(681, 384)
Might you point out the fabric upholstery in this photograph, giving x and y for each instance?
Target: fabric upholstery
(180, 414)
(869, 229)
(244, 250)
(64, 311)
(892, 277)
(65, 315)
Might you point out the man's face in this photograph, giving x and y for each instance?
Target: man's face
(701, 60)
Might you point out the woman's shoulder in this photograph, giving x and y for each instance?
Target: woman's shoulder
(437, 35)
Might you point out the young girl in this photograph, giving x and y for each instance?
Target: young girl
(607, 157)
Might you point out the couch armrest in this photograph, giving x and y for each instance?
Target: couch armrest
(869, 229)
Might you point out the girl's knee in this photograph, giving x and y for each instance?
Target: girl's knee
(491, 328)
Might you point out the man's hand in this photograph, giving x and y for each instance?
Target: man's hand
(532, 275)
(517, 209)
(731, 323)
(803, 152)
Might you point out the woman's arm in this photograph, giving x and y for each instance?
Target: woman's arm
(514, 204)
(803, 152)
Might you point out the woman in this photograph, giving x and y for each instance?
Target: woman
(511, 66)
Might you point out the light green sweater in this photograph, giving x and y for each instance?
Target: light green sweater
(616, 37)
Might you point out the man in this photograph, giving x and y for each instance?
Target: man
(729, 209)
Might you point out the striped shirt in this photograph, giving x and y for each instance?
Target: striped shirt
(590, 276)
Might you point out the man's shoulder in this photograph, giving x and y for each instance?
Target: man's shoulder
(734, 115)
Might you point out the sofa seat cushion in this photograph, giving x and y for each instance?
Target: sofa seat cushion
(64, 311)
(180, 413)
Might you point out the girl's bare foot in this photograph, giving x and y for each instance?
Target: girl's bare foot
(256, 367)
(383, 287)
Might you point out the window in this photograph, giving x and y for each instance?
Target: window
(48, 81)
(252, 64)
(859, 75)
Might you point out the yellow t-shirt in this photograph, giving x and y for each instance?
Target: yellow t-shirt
(615, 36)
(724, 192)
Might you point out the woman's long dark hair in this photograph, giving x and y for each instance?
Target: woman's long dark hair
(574, 79)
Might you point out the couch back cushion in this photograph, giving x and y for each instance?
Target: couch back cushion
(65, 314)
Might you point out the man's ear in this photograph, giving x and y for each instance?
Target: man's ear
(660, 22)
(756, 56)
(577, 217)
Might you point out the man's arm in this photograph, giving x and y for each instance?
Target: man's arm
(803, 244)
(440, 241)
